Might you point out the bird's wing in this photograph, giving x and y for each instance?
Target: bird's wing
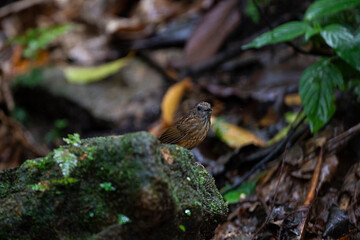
(172, 135)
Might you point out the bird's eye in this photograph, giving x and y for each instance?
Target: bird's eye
(199, 108)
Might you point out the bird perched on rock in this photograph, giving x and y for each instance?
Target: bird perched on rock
(190, 130)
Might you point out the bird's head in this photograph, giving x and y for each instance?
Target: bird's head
(203, 109)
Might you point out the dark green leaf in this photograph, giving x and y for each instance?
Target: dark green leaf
(316, 92)
(311, 32)
(323, 7)
(354, 85)
(344, 43)
(282, 33)
(252, 12)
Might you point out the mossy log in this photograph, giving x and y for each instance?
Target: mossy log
(119, 187)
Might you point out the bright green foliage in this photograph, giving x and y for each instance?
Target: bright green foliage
(316, 92)
(66, 160)
(38, 187)
(73, 140)
(245, 189)
(323, 7)
(283, 33)
(122, 219)
(182, 228)
(39, 38)
(107, 186)
(327, 20)
(344, 43)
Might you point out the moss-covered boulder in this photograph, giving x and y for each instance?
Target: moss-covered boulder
(121, 187)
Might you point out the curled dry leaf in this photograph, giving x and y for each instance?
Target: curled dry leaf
(172, 99)
(233, 135)
(169, 106)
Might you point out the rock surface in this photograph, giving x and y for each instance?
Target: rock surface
(121, 187)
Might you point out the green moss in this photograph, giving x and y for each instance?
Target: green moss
(64, 182)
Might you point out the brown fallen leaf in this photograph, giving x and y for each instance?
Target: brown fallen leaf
(211, 32)
(292, 99)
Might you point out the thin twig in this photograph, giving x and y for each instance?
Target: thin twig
(281, 173)
(312, 192)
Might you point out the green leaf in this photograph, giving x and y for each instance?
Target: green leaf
(344, 43)
(323, 7)
(182, 228)
(311, 32)
(122, 219)
(245, 189)
(92, 74)
(107, 186)
(38, 38)
(252, 12)
(73, 139)
(66, 160)
(282, 33)
(316, 92)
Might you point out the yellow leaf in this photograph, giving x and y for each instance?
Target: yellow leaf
(233, 135)
(93, 74)
(292, 99)
(172, 99)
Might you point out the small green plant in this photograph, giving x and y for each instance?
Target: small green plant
(122, 219)
(107, 186)
(38, 187)
(335, 23)
(73, 140)
(39, 38)
(66, 160)
(182, 228)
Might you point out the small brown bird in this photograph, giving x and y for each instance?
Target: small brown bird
(191, 129)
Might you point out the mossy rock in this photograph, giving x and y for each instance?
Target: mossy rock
(119, 187)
